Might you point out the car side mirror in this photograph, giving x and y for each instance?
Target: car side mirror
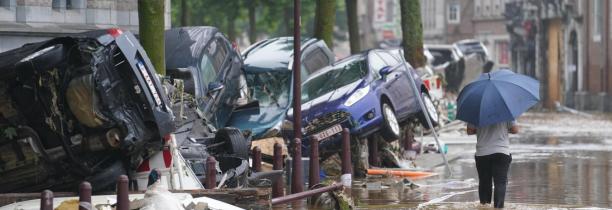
(385, 70)
(215, 86)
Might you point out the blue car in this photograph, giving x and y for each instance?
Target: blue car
(368, 93)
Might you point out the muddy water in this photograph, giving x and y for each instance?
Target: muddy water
(546, 172)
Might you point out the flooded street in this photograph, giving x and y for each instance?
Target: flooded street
(558, 162)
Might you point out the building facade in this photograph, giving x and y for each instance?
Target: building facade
(25, 21)
(566, 45)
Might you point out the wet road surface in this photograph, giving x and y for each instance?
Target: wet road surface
(559, 161)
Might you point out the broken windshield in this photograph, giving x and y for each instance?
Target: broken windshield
(270, 88)
(342, 74)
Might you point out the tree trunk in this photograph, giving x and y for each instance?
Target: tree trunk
(325, 18)
(184, 13)
(231, 27)
(412, 32)
(252, 22)
(353, 26)
(287, 20)
(151, 29)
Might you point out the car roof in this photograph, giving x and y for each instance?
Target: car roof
(274, 53)
(184, 44)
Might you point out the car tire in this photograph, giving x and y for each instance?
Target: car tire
(235, 143)
(431, 109)
(391, 126)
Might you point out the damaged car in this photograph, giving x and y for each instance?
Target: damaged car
(369, 93)
(209, 85)
(84, 107)
(268, 68)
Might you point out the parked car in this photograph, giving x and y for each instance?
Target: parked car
(449, 60)
(368, 92)
(268, 68)
(84, 107)
(471, 46)
(207, 74)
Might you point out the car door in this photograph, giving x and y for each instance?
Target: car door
(398, 83)
(214, 68)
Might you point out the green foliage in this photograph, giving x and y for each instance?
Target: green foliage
(273, 17)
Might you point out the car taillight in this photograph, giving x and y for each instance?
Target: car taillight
(114, 32)
(167, 138)
(426, 82)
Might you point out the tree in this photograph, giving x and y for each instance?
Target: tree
(325, 17)
(252, 22)
(412, 32)
(184, 13)
(353, 26)
(151, 30)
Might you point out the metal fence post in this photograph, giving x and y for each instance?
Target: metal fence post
(46, 200)
(313, 175)
(373, 150)
(257, 159)
(85, 196)
(297, 182)
(123, 200)
(347, 170)
(211, 172)
(277, 184)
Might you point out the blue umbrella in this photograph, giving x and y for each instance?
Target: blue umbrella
(495, 97)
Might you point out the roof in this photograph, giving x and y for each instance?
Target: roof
(184, 44)
(275, 53)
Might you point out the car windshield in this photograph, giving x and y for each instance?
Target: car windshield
(340, 75)
(270, 88)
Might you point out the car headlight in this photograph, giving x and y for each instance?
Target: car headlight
(357, 95)
(38, 53)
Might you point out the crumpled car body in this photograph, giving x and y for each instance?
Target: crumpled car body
(84, 107)
(206, 73)
(353, 93)
(268, 68)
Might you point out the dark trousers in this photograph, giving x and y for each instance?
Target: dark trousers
(493, 168)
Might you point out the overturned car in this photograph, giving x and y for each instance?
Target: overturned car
(84, 107)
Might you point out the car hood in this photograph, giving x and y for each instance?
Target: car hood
(326, 103)
(258, 122)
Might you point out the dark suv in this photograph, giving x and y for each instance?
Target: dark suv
(84, 107)
(207, 74)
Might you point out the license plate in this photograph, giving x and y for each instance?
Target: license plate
(328, 132)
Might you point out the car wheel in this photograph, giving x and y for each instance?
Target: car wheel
(235, 144)
(391, 129)
(431, 111)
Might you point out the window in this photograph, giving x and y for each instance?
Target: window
(5, 3)
(212, 60)
(376, 62)
(58, 4)
(315, 60)
(454, 13)
(389, 59)
(597, 20)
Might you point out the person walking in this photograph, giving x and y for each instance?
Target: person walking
(493, 159)
(489, 105)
